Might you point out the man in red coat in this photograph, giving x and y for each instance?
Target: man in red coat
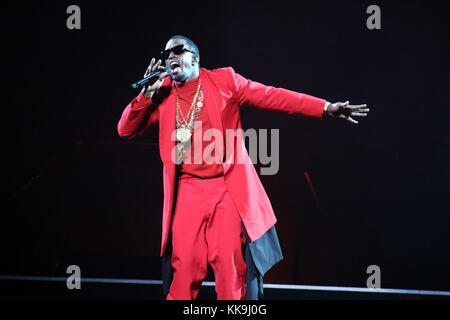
(213, 209)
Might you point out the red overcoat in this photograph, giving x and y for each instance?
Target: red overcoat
(224, 93)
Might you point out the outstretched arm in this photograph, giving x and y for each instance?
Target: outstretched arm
(255, 94)
(258, 95)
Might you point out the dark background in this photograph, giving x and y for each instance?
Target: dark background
(75, 193)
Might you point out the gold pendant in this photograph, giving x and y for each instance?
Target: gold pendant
(183, 134)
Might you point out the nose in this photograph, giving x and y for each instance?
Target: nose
(171, 54)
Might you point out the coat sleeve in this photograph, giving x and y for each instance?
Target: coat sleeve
(255, 94)
(138, 116)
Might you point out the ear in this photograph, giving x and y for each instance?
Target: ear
(194, 59)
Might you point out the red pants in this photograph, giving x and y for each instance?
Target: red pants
(206, 227)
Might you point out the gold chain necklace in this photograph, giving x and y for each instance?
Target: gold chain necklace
(184, 128)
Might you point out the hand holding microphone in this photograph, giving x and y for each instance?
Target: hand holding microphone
(154, 71)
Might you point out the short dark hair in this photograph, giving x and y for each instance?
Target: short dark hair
(189, 42)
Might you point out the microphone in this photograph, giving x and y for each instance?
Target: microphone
(150, 79)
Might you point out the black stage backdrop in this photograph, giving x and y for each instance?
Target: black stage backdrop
(75, 193)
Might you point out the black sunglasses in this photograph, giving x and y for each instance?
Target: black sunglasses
(176, 50)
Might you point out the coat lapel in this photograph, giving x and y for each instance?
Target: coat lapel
(211, 103)
(211, 98)
(166, 129)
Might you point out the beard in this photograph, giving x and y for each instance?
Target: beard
(181, 77)
(181, 74)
